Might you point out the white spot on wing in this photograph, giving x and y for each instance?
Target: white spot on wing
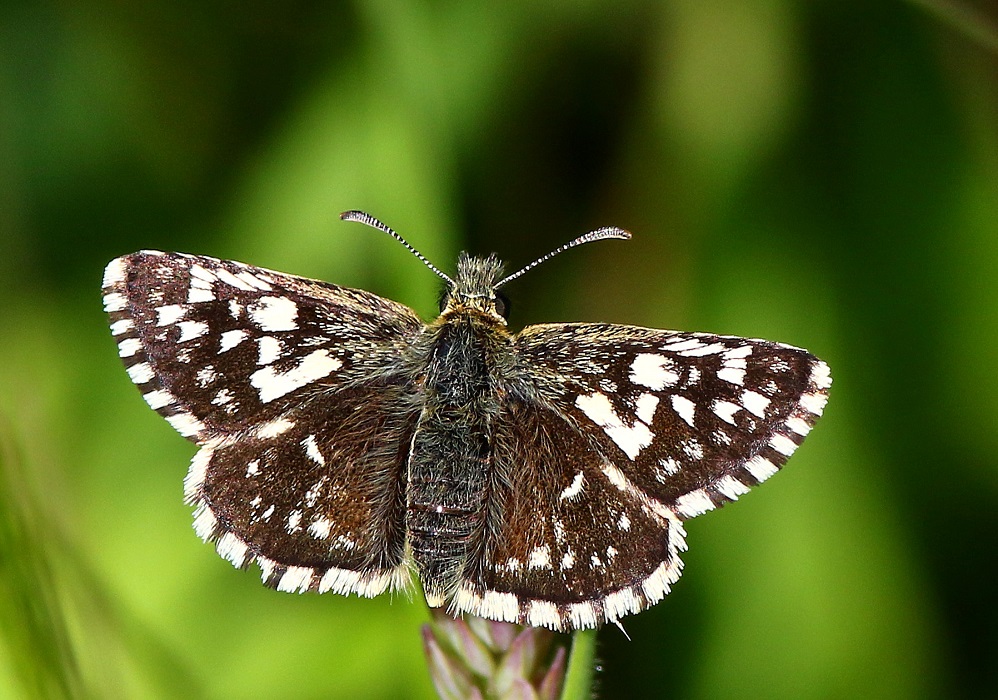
(682, 345)
(761, 468)
(204, 522)
(732, 375)
(725, 410)
(312, 450)
(312, 495)
(821, 376)
(114, 302)
(170, 314)
(114, 273)
(782, 444)
(631, 439)
(229, 278)
(255, 281)
(685, 408)
(711, 349)
(204, 275)
(731, 487)
(223, 397)
(140, 373)
(755, 403)
(185, 424)
(128, 347)
(196, 473)
(275, 314)
(270, 349)
(189, 330)
(205, 376)
(273, 384)
(582, 615)
(575, 488)
(320, 528)
(645, 407)
(158, 398)
(232, 548)
(199, 294)
(741, 351)
(669, 466)
(694, 503)
(540, 558)
(496, 605)
(798, 425)
(122, 326)
(230, 339)
(812, 403)
(274, 428)
(542, 613)
(693, 449)
(295, 579)
(653, 371)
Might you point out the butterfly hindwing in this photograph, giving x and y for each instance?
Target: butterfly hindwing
(317, 497)
(570, 549)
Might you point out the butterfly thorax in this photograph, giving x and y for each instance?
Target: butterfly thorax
(451, 475)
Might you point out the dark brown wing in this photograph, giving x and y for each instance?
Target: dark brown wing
(614, 436)
(295, 391)
(217, 346)
(316, 498)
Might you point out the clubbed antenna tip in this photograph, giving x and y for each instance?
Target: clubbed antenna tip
(597, 235)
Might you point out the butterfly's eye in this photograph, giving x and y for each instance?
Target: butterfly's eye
(502, 305)
(444, 298)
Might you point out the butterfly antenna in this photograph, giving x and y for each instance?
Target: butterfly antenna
(597, 235)
(366, 218)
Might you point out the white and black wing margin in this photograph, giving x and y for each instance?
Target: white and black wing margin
(621, 434)
(266, 373)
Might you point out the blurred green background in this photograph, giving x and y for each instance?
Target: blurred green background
(821, 173)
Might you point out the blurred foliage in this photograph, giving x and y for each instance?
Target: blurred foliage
(823, 173)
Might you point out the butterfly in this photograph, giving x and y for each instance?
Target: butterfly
(542, 477)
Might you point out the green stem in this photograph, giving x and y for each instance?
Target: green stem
(581, 666)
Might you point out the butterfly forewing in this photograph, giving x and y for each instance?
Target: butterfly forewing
(690, 419)
(218, 346)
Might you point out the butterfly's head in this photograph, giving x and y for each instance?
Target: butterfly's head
(475, 288)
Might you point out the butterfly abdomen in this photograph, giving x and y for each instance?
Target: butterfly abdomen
(451, 458)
